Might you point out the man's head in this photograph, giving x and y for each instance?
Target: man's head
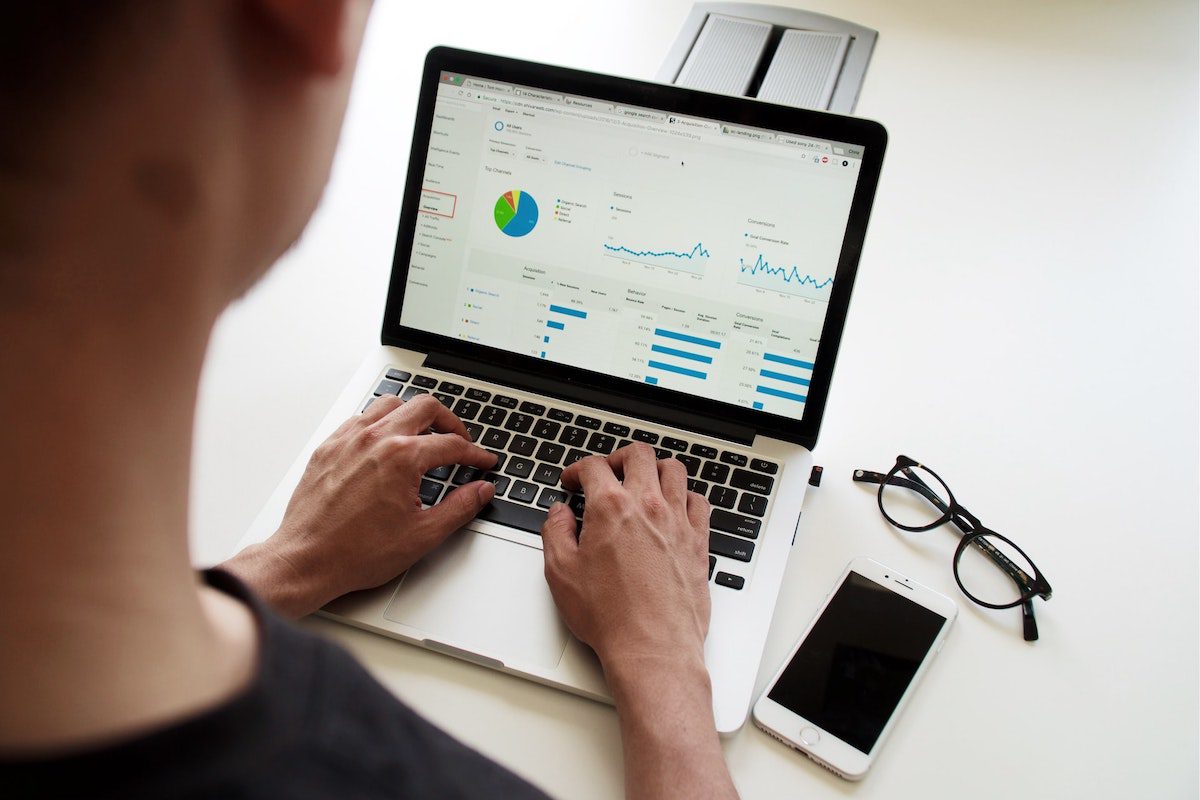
(188, 140)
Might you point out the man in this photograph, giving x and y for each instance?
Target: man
(156, 158)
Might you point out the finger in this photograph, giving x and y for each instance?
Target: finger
(559, 543)
(457, 508)
(422, 413)
(698, 511)
(437, 449)
(636, 463)
(380, 408)
(590, 474)
(672, 478)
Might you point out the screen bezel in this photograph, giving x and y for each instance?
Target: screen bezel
(841, 756)
(870, 135)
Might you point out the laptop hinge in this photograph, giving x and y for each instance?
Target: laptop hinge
(586, 395)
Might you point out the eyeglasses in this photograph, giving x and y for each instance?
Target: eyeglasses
(989, 568)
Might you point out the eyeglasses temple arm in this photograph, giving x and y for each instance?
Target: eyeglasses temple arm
(1027, 618)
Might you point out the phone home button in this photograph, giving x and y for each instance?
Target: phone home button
(809, 736)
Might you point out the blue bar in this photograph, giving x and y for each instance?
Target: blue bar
(791, 362)
(650, 379)
(570, 312)
(684, 337)
(779, 376)
(543, 354)
(558, 326)
(691, 373)
(799, 398)
(757, 405)
(545, 338)
(671, 351)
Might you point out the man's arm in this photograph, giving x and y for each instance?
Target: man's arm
(634, 587)
(355, 521)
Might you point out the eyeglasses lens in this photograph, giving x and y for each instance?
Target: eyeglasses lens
(993, 571)
(913, 497)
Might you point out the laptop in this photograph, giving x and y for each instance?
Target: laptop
(583, 262)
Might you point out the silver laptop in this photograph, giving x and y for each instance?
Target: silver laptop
(583, 262)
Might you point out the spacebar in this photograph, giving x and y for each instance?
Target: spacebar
(517, 516)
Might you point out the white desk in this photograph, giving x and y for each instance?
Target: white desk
(1025, 320)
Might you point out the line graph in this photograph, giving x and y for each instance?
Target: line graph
(789, 280)
(693, 261)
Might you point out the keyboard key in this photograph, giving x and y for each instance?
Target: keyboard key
(467, 474)
(722, 497)
(533, 408)
(412, 392)
(504, 401)
(662, 452)
(573, 437)
(368, 403)
(547, 474)
(388, 387)
(495, 438)
(623, 443)
(500, 459)
(734, 523)
(545, 429)
(430, 491)
(466, 409)
(737, 459)
(717, 473)
(730, 581)
(440, 473)
(479, 395)
(513, 515)
(587, 422)
(424, 381)
(764, 466)
(499, 481)
(577, 504)
(519, 467)
(450, 388)
(493, 416)
(703, 450)
(645, 436)
(674, 444)
(573, 456)
(691, 462)
(519, 423)
(523, 491)
(616, 429)
(445, 399)
(601, 443)
(522, 445)
(550, 452)
(730, 547)
(751, 481)
(699, 487)
(754, 504)
(398, 375)
(473, 430)
(558, 415)
(549, 497)
(712, 563)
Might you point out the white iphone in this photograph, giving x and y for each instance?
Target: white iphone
(839, 693)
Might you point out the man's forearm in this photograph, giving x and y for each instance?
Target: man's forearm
(667, 728)
(286, 586)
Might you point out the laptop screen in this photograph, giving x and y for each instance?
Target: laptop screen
(677, 251)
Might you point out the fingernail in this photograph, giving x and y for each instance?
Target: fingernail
(486, 492)
(557, 508)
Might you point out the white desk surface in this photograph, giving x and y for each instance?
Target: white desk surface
(1025, 320)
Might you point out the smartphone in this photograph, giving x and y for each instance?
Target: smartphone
(839, 693)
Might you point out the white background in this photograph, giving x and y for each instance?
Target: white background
(1025, 321)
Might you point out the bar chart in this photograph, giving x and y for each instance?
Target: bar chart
(683, 354)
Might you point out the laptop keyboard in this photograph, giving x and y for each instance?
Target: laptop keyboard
(534, 442)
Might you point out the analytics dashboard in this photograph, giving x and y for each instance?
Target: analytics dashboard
(675, 251)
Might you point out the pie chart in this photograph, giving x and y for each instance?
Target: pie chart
(516, 213)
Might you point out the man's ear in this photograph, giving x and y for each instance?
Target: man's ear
(311, 29)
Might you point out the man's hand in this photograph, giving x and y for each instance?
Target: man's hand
(355, 521)
(634, 586)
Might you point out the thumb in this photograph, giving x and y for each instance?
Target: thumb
(459, 507)
(558, 535)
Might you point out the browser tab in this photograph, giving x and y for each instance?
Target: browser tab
(487, 86)
(695, 124)
(803, 144)
(534, 94)
(590, 105)
(641, 113)
(748, 133)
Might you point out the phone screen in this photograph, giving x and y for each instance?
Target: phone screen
(857, 661)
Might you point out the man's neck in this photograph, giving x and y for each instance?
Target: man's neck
(105, 629)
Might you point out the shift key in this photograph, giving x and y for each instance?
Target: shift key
(730, 546)
(729, 522)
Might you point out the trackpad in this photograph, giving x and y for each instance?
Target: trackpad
(485, 595)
